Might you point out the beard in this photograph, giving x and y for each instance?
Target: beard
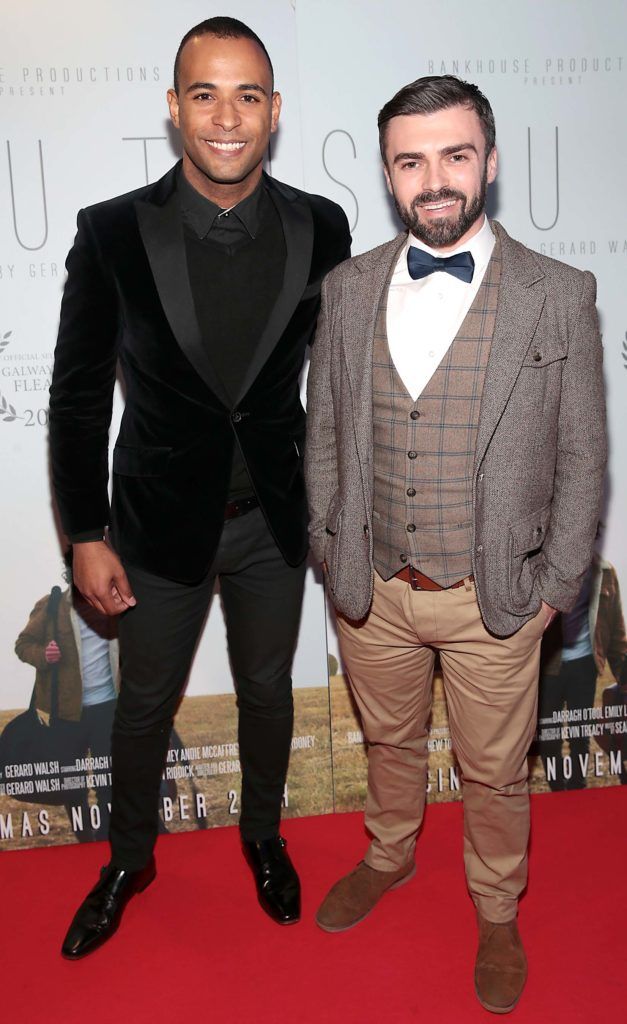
(445, 231)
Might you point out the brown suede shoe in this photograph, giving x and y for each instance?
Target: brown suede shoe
(354, 896)
(501, 966)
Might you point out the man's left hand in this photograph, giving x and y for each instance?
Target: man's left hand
(549, 613)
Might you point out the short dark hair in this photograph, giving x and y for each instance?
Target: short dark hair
(221, 28)
(438, 92)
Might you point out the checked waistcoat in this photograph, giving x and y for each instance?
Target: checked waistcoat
(424, 450)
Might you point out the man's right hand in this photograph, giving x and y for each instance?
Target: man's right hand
(98, 574)
(52, 653)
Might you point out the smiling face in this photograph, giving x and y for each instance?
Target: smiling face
(437, 171)
(226, 111)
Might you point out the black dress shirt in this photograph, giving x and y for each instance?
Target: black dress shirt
(236, 263)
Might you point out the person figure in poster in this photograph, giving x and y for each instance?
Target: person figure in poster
(205, 286)
(455, 457)
(86, 655)
(575, 650)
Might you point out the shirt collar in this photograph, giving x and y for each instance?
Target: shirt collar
(202, 215)
(480, 245)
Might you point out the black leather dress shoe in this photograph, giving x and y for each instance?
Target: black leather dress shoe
(100, 913)
(278, 887)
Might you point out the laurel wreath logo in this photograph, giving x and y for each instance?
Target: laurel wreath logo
(7, 411)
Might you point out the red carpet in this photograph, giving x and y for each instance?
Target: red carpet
(196, 947)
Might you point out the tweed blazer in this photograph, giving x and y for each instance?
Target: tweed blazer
(541, 442)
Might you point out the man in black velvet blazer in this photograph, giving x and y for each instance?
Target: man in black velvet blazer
(204, 287)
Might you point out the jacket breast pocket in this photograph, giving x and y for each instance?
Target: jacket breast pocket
(526, 538)
(140, 460)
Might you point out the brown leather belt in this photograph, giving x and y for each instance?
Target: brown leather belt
(239, 507)
(418, 581)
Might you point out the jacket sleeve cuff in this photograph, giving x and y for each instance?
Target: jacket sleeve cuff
(560, 597)
(316, 545)
(86, 536)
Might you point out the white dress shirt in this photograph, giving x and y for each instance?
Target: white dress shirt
(424, 316)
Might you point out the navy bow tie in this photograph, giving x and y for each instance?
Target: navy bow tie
(421, 264)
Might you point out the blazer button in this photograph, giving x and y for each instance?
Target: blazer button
(479, 548)
(236, 416)
(537, 357)
(403, 558)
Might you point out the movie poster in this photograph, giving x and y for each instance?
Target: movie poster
(55, 763)
(582, 714)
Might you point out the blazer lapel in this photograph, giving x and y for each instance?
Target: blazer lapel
(161, 229)
(297, 223)
(520, 303)
(361, 295)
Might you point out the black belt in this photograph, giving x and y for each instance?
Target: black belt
(239, 507)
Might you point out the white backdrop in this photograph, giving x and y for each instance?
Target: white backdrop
(82, 101)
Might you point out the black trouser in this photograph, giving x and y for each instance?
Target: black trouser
(573, 688)
(92, 733)
(262, 598)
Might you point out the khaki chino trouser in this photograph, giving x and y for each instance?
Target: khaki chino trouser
(491, 688)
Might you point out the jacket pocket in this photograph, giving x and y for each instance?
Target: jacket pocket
(334, 515)
(543, 352)
(333, 538)
(138, 460)
(526, 538)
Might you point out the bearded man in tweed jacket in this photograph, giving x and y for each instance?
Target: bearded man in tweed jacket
(455, 459)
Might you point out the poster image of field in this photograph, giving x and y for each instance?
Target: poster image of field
(202, 778)
(55, 755)
(581, 739)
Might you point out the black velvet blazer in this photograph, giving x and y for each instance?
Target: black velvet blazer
(128, 299)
